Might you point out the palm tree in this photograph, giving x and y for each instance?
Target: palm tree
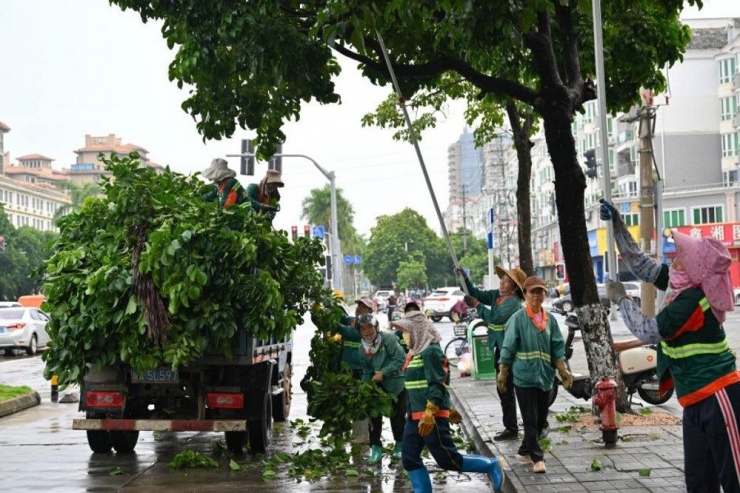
(317, 210)
(78, 193)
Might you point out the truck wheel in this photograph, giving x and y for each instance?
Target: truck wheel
(260, 427)
(98, 440)
(281, 402)
(124, 441)
(236, 441)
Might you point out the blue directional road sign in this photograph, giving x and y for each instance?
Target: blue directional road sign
(347, 260)
(318, 232)
(356, 260)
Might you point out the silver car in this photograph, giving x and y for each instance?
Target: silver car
(23, 328)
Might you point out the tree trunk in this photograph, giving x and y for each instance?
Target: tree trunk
(521, 126)
(570, 183)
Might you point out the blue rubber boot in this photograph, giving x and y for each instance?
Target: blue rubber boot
(376, 454)
(420, 480)
(489, 465)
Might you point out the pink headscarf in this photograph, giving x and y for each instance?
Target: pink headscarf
(707, 263)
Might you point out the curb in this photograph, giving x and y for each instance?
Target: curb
(471, 425)
(19, 403)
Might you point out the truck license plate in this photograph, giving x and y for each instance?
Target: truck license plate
(155, 376)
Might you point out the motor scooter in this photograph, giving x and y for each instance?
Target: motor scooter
(637, 362)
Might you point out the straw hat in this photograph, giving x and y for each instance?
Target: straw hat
(218, 170)
(516, 274)
(273, 176)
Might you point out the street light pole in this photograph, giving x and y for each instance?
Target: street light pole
(336, 263)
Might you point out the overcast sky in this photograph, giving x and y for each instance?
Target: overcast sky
(76, 67)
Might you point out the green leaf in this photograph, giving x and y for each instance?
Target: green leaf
(131, 307)
(234, 466)
(645, 472)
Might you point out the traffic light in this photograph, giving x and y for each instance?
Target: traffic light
(294, 232)
(328, 267)
(277, 162)
(590, 163)
(306, 230)
(247, 165)
(2, 244)
(560, 271)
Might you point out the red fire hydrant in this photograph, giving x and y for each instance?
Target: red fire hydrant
(605, 399)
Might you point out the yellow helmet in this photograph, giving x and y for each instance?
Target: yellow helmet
(338, 294)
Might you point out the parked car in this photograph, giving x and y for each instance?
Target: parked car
(565, 304)
(9, 304)
(441, 300)
(23, 328)
(381, 299)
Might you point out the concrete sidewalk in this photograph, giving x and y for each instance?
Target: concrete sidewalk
(658, 449)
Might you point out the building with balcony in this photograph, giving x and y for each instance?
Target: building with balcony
(88, 166)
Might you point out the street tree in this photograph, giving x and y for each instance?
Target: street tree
(26, 249)
(402, 237)
(254, 64)
(78, 192)
(316, 209)
(412, 274)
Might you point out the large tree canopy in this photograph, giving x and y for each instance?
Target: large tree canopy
(254, 63)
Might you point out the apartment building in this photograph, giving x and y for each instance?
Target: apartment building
(31, 192)
(695, 148)
(696, 152)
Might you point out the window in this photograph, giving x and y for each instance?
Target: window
(632, 219)
(730, 144)
(708, 215)
(728, 107)
(673, 218)
(726, 70)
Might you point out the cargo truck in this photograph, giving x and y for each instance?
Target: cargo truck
(239, 396)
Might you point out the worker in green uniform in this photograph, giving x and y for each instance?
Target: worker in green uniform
(495, 307)
(429, 413)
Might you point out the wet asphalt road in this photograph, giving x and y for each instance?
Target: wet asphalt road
(40, 452)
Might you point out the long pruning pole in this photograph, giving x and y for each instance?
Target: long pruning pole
(412, 134)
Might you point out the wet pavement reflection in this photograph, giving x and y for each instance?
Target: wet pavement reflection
(40, 452)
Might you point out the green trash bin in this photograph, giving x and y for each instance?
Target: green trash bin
(482, 367)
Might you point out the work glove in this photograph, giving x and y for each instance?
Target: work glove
(615, 291)
(470, 301)
(461, 272)
(608, 212)
(337, 338)
(455, 417)
(565, 375)
(378, 377)
(426, 423)
(503, 373)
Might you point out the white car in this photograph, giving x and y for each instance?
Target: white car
(441, 300)
(9, 304)
(23, 328)
(381, 299)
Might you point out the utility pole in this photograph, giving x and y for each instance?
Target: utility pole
(647, 196)
(465, 221)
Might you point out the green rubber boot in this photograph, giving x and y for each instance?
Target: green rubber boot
(397, 450)
(376, 454)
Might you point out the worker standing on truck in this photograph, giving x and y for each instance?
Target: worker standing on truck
(228, 190)
(265, 196)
